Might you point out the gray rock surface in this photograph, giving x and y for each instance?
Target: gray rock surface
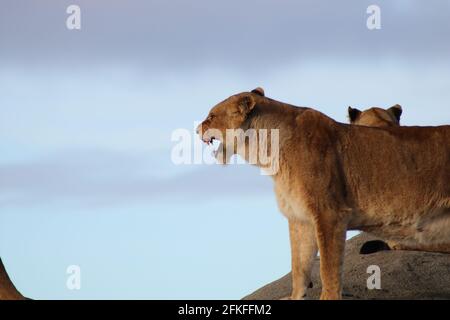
(404, 275)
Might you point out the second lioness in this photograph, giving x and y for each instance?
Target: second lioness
(379, 117)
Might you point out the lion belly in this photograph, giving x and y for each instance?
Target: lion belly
(433, 227)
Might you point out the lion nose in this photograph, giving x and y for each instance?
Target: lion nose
(199, 129)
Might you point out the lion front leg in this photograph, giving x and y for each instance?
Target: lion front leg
(303, 251)
(331, 239)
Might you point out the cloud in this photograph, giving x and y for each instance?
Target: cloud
(251, 34)
(186, 53)
(100, 178)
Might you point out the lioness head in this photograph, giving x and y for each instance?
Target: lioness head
(376, 117)
(230, 114)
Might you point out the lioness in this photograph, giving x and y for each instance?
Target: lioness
(378, 117)
(333, 177)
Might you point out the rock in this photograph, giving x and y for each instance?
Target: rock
(404, 274)
(7, 289)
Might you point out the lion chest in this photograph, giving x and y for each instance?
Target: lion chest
(291, 203)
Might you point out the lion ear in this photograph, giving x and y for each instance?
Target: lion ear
(246, 104)
(353, 114)
(259, 91)
(396, 111)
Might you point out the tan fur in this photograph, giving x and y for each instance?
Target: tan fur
(334, 177)
(378, 117)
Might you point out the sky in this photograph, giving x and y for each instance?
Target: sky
(86, 119)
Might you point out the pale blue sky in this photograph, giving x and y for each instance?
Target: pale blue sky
(86, 119)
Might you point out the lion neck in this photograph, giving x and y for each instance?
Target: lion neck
(271, 114)
(273, 121)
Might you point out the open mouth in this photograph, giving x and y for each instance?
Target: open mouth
(209, 141)
(216, 144)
